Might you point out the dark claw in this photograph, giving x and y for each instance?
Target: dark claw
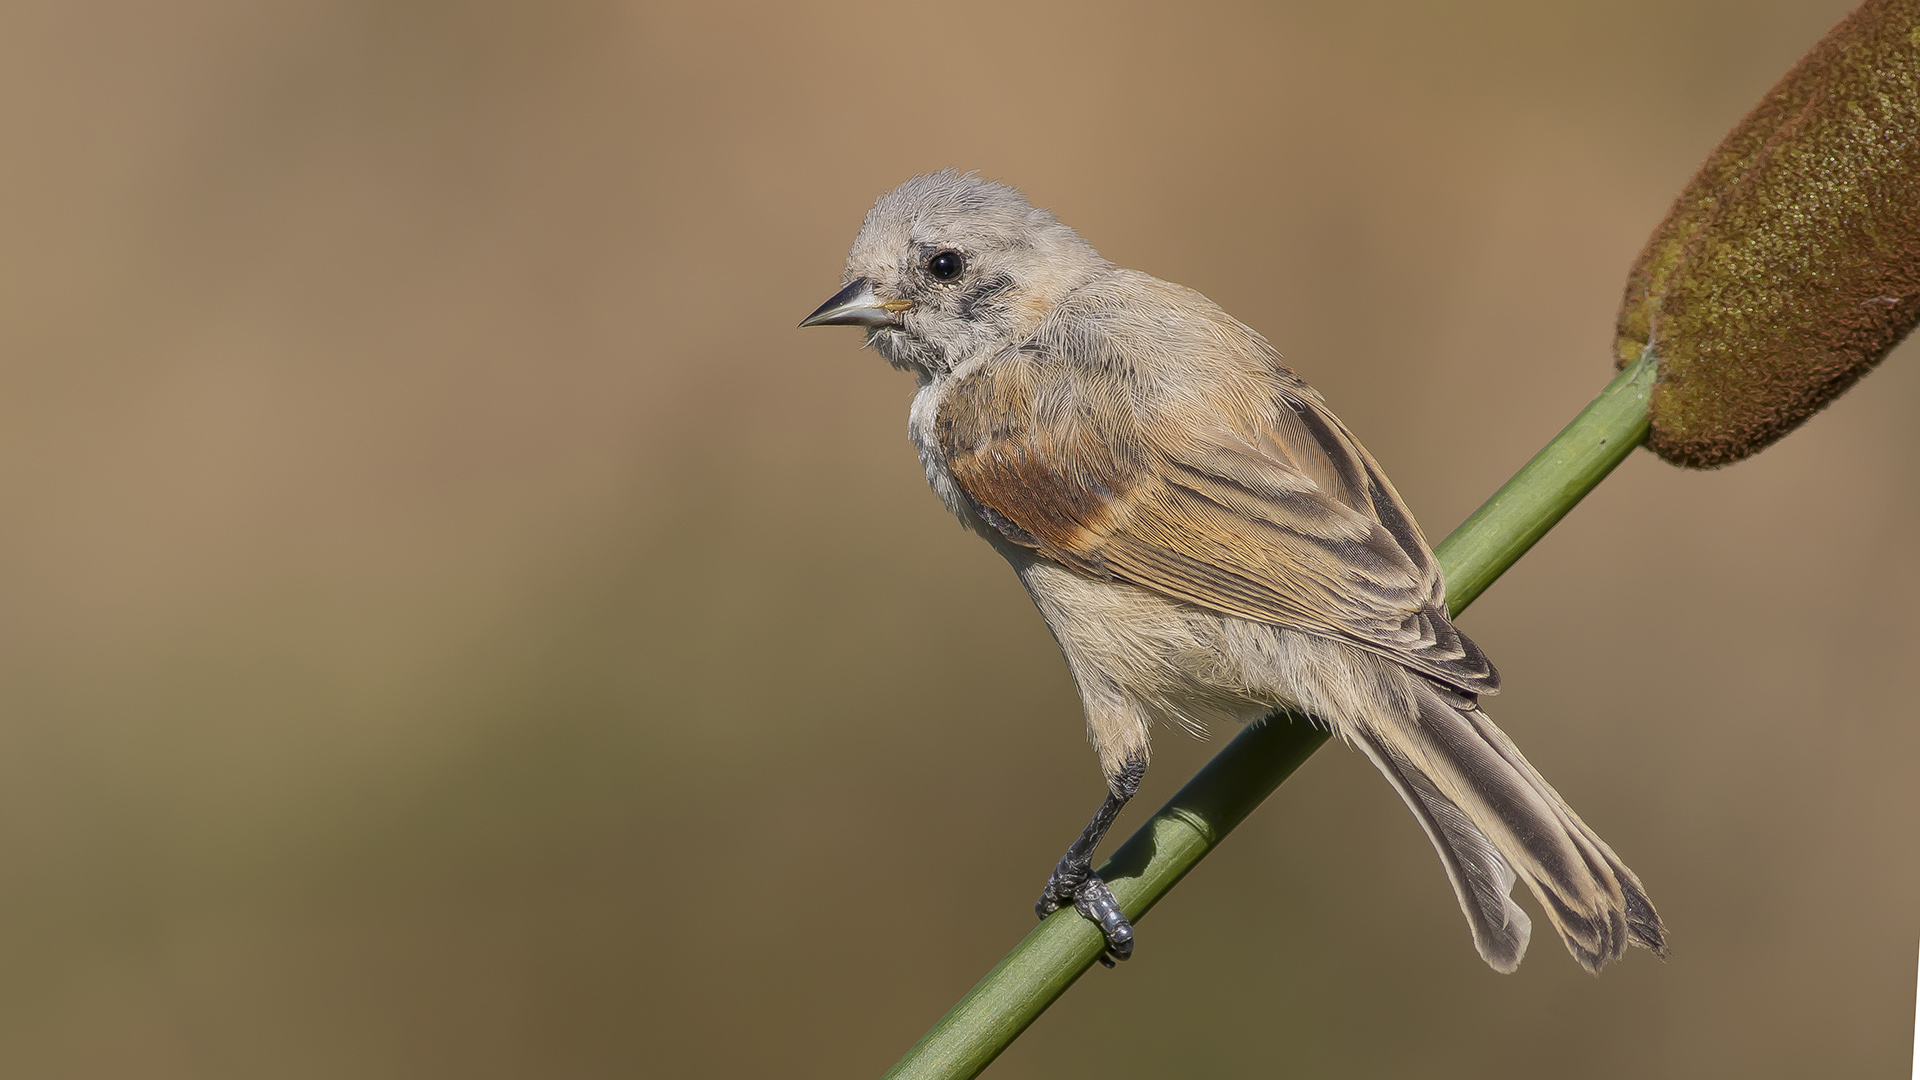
(1062, 888)
(1081, 887)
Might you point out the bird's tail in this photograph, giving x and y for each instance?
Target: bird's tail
(1493, 818)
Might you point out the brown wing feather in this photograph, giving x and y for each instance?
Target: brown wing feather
(1290, 522)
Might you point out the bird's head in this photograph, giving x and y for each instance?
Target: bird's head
(947, 266)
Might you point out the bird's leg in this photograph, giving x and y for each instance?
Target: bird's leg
(1074, 882)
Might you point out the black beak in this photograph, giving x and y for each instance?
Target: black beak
(856, 305)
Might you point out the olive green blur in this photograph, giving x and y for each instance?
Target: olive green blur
(1790, 265)
(453, 625)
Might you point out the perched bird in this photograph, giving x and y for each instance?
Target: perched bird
(1206, 541)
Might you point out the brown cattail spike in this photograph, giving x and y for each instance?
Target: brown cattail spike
(1791, 263)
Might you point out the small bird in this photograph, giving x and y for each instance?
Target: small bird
(1207, 542)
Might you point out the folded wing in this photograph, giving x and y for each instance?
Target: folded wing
(1245, 497)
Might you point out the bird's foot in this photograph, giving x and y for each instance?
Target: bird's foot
(1081, 887)
(1062, 887)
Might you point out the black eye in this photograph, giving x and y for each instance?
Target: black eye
(946, 265)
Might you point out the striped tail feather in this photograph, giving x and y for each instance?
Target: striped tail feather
(1494, 820)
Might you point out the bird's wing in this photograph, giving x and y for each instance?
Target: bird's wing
(1281, 517)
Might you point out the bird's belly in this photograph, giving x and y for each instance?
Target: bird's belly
(1179, 663)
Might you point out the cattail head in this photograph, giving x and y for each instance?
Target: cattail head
(1790, 265)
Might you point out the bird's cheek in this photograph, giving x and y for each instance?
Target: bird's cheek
(1030, 308)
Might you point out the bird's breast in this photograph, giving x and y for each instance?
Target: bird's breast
(921, 419)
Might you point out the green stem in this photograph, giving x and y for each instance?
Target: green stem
(1542, 492)
(1248, 769)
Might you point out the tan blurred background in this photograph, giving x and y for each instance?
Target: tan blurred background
(454, 626)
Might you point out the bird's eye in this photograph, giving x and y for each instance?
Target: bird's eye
(946, 265)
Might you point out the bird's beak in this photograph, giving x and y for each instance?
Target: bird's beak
(856, 305)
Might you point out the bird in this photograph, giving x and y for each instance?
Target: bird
(1208, 543)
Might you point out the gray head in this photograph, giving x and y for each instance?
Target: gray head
(948, 265)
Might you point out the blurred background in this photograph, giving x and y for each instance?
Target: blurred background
(453, 625)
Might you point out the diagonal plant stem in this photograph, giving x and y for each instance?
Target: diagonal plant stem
(1248, 769)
